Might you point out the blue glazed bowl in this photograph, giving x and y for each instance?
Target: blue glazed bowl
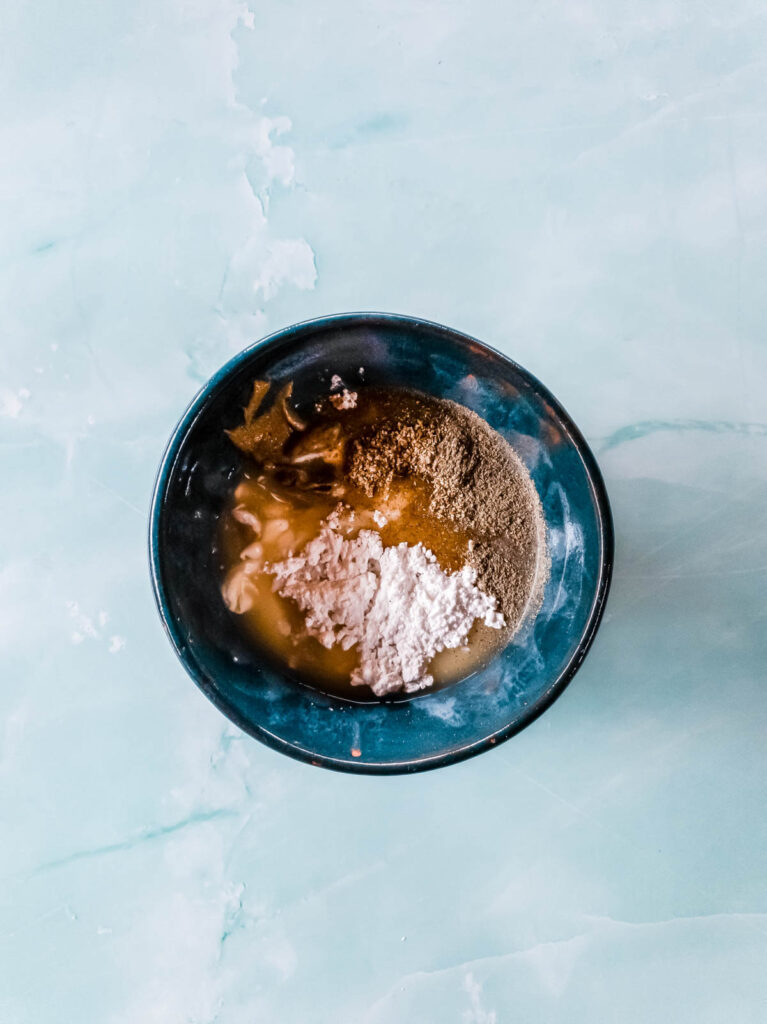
(200, 468)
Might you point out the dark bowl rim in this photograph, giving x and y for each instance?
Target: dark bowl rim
(282, 338)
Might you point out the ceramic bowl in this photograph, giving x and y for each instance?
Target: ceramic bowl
(428, 730)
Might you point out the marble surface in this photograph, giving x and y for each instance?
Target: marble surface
(584, 186)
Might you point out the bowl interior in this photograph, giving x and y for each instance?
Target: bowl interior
(201, 466)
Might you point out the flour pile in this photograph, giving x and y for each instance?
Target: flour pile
(395, 603)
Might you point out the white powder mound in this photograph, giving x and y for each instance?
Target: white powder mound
(395, 603)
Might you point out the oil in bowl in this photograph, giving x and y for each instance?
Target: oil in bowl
(447, 460)
(390, 542)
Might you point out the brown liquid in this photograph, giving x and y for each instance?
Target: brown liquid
(289, 517)
(276, 623)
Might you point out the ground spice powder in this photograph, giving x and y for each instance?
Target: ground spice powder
(478, 484)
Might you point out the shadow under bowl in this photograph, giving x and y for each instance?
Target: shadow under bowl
(201, 467)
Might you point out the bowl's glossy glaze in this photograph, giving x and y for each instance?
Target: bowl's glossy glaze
(200, 467)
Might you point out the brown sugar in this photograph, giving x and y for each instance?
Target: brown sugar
(478, 484)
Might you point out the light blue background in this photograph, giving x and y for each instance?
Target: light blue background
(582, 185)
